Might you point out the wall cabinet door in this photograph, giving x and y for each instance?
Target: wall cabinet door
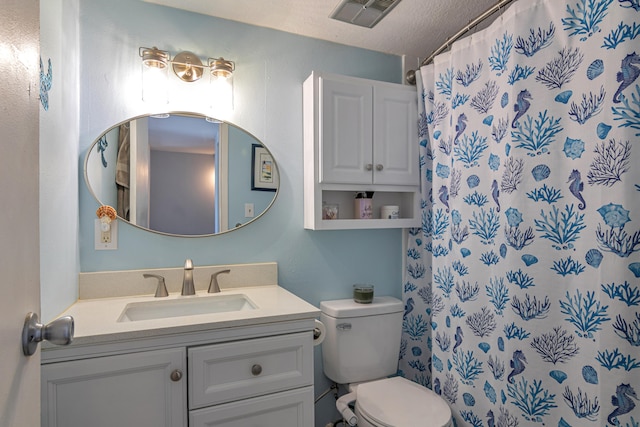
(125, 390)
(346, 110)
(395, 136)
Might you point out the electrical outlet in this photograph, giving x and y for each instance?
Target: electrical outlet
(106, 240)
(248, 210)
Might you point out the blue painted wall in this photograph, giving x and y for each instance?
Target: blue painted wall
(271, 67)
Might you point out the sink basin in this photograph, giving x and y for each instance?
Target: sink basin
(189, 306)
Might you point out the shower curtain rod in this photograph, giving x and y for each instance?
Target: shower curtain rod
(487, 13)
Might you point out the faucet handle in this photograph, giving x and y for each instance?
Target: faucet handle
(188, 264)
(214, 288)
(161, 290)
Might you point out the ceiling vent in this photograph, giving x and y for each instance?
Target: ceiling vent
(365, 13)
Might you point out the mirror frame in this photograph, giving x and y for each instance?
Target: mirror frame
(93, 145)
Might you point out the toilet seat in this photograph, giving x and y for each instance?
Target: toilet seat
(398, 402)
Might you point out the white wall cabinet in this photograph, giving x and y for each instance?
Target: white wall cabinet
(359, 135)
(265, 380)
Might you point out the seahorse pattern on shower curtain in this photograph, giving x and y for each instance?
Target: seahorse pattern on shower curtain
(522, 285)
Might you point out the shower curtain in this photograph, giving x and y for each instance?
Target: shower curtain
(521, 288)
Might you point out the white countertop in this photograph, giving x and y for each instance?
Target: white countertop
(96, 320)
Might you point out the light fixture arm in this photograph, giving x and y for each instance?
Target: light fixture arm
(187, 66)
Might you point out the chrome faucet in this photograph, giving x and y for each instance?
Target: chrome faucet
(161, 289)
(214, 288)
(187, 281)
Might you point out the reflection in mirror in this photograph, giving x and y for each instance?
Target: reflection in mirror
(182, 174)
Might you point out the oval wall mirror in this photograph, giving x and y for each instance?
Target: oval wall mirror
(182, 174)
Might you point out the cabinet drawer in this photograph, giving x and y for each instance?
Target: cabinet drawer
(230, 371)
(292, 408)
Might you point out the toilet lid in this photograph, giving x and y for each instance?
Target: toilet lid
(398, 402)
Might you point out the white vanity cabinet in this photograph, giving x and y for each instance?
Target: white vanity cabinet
(359, 135)
(238, 378)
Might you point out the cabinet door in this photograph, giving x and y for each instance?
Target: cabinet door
(293, 408)
(395, 136)
(346, 111)
(124, 390)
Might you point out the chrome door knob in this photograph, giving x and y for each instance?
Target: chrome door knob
(58, 332)
(369, 166)
(379, 167)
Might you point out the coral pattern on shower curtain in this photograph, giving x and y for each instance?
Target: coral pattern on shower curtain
(521, 290)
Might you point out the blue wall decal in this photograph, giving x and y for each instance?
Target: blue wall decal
(46, 79)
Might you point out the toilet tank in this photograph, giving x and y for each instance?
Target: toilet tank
(362, 341)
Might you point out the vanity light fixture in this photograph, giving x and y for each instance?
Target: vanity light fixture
(188, 67)
(154, 75)
(154, 57)
(221, 85)
(221, 68)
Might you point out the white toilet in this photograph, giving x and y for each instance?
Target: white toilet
(361, 349)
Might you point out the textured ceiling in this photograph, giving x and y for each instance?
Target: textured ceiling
(414, 27)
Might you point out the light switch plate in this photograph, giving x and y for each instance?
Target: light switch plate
(248, 210)
(99, 245)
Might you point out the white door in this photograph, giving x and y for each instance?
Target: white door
(19, 241)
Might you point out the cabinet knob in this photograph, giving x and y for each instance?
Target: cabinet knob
(176, 375)
(379, 167)
(369, 166)
(256, 370)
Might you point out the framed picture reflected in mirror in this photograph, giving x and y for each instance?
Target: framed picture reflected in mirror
(264, 174)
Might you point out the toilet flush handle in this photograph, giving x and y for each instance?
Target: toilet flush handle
(343, 326)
